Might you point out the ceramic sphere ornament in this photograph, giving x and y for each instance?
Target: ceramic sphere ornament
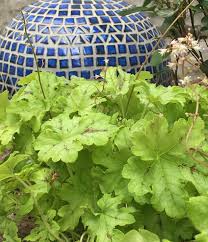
(74, 37)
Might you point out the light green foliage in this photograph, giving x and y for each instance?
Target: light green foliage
(159, 96)
(39, 233)
(80, 192)
(197, 212)
(158, 170)
(140, 236)
(4, 104)
(7, 168)
(10, 231)
(106, 217)
(83, 96)
(62, 138)
(120, 160)
(118, 82)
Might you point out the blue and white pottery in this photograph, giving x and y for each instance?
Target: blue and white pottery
(75, 37)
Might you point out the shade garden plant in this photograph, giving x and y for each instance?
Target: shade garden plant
(183, 22)
(118, 160)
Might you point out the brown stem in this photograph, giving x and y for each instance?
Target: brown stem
(196, 114)
(203, 163)
(176, 73)
(5, 154)
(192, 22)
(205, 41)
(35, 57)
(34, 54)
(201, 152)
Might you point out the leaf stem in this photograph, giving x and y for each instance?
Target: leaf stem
(129, 99)
(192, 22)
(34, 54)
(203, 163)
(196, 114)
(144, 110)
(176, 73)
(83, 236)
(122, 107)
(69, 170)
(65, 238)
(194, 28)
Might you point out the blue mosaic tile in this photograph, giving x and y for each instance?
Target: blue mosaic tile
(101, 61)
(122, 48)
(88, 61)
(133, 49)
(112, 61)
(96, 72)
(73, 73)
(6, 56)
(51, 52)
(111, 49)
(30, 62)
(40, 50)
(75, 37)
(100, 50)
(12, 70)
(81, 21)
(86, 74)
(52, 63)
(93, 20)
(20, 71)
(5, 68)
(8, 45)
(14, 47)
(133, 60)
(62, 52)
(64, 64)
(122, 61)
(27, 72)
(13, 58)
(76, 63)
(75, 51)
(88, 50)
(75, 13)
(29, 50)
(61, 73)
(100, 12)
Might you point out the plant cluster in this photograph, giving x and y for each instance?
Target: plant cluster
(179, 22)
(184, 61)
(120, 160)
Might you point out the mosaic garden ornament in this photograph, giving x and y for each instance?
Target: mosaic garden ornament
(75, 37)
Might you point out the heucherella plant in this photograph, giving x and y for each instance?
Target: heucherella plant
(185, 22)
(117, 160)
(185, 60)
